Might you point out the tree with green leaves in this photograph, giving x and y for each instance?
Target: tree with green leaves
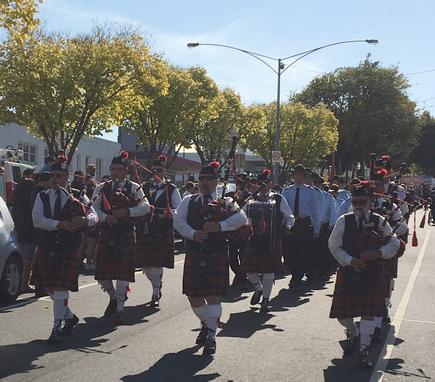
(424, 153)
(374, 111)
(307, 133)
(63, 88)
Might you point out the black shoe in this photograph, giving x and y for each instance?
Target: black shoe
(364, 359)
(69, 325)
(202, 336)
(209, 346)
(265, 306)
(255, 299)
(55, 334)
(377, 336)
(155, 300)
(351, 343)
(111, 308)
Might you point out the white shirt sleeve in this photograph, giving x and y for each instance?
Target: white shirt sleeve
(39, 220)
(390, 249)
(180, 219)
(96, 203)
(335, 243)
(234, 221)
(175, 198)
(289, 219)
(91, 217)
(143, 206)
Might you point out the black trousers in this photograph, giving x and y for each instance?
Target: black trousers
(235, 251)
(298, 250)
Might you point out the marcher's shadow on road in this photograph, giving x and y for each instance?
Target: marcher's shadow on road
(180, 366)
(85, 338)
(285, 300)
(246, 324)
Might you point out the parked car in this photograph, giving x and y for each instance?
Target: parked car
(11, 262)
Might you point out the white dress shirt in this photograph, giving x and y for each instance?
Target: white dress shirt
(335, 242)
(40, 221)
(141, 209)
(184, 229)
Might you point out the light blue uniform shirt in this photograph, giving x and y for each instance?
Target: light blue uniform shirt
(307, 203)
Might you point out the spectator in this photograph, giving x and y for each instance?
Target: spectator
(78, 181)
(189, 187)
(22, 207)
(48, 162)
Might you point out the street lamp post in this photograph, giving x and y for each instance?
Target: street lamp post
(281, 68)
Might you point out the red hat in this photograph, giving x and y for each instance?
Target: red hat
(121, 158)
(160, 161)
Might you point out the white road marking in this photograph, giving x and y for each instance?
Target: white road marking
(420, 322)
(26, 301)
(382, 362)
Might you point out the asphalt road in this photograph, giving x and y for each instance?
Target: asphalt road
(295, 342)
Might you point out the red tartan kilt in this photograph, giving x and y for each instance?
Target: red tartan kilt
(64, 276)
(121, 267)
(156, 253)
(242, 234)
(366, 300)
(215, 283)
(262, 259)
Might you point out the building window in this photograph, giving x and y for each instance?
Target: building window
(30, 152)
(45, 153)
(87, 160)
(79, 162)
(99, 169)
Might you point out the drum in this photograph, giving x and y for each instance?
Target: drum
(262, 216)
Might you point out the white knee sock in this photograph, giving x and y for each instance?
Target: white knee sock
(107, 286)
(349, 324)
(121, 293)
(60, 305)
(255, 280)
(268, 279)
(214, 311)
(366, 328)
(201, 313)
(378, 322)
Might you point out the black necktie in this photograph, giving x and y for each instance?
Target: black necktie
(205, 200)
(57, 206)
(360, 224)
(296, 209)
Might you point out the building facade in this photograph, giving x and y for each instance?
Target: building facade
(98, 151)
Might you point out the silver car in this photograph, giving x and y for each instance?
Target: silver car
(11, 263)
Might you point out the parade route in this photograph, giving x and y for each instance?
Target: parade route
(296, 341)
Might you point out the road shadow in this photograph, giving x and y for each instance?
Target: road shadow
(246, 324)
(85, 338)
(285, 300)
(181, 366)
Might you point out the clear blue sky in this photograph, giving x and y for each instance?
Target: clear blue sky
(405, 30)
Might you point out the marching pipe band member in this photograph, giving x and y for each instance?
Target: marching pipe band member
(118, 202)
(156, 243)
(59, 219)
(298, 247)
(271, 218)
(360, 241)
(203, 219)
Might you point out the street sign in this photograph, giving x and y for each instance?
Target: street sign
(276, 156)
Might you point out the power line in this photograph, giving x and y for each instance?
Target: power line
(424, 71)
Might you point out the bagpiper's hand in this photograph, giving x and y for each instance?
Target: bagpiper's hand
(110, 219)
(210, 227)
(358, 264)
(371, 255)
(120, 213)
(66, 225)
(200, 236)
(287, 230)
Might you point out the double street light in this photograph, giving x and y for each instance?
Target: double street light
(280, 68)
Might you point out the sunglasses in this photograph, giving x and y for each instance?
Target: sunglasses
(360, 203)
(206, 178)
(57, 175)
